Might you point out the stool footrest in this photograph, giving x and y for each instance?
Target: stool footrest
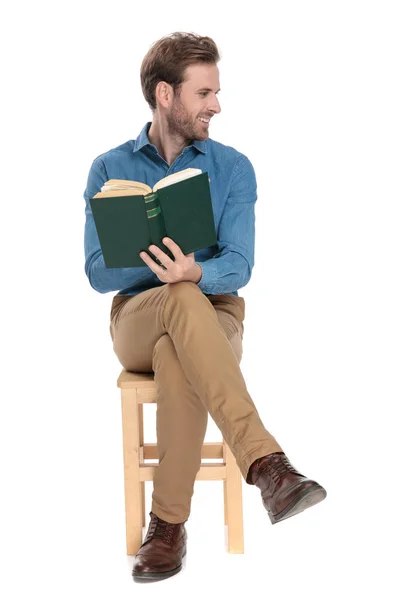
(209, 450)
(207, 472)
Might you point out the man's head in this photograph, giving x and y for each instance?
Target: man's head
(180, 82)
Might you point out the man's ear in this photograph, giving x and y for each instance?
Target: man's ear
(164, 93)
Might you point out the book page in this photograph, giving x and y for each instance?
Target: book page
(125, 184)
(175, 177)
(117, 193)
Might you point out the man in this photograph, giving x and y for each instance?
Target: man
(183, 319)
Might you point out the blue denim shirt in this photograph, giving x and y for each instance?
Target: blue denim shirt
(226, 266)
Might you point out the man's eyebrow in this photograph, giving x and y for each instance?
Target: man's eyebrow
(208, 90)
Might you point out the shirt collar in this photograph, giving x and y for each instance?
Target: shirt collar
(143, 140)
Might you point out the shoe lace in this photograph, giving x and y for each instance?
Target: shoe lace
(160, 529)
(277, 468)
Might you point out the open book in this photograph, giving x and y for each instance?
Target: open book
(130, 216)
(122, 187)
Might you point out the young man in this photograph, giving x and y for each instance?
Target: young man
(184, 320)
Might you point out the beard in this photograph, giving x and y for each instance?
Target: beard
(182, 125)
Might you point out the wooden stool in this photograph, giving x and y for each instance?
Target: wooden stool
(140, 388)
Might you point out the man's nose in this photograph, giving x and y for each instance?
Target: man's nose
(215, 106)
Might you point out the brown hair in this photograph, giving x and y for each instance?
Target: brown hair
(168, 59)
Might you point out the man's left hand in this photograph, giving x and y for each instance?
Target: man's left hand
(184, 268)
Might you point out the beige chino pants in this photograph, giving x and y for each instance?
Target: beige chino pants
(193, 344)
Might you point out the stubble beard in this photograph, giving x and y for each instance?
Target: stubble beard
(180, 124)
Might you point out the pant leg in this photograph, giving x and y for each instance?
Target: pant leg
(189, 318)
(181, 423)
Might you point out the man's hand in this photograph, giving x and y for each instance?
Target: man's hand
(183, 269)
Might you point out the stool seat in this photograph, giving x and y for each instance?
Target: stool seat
(138, 389)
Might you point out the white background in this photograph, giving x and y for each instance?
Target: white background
(310, 93)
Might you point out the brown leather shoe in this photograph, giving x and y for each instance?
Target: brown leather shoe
(160, 555)
(284, 491)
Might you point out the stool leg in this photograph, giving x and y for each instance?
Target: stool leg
(233, 503)
(225, 507)
(142, 483)
(133, 497)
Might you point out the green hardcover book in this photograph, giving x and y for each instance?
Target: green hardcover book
(130, 216)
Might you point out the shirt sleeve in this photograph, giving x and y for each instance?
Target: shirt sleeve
(102, 279)
(230, 269)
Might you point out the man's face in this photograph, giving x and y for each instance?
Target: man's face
(197, 100)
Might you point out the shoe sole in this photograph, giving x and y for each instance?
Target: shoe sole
(143, 577)
(304, 500)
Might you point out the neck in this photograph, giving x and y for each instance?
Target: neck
(169, 146)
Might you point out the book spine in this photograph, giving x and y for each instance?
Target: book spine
(156, 224)
(152, 205)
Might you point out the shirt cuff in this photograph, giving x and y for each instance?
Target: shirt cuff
(208, 278)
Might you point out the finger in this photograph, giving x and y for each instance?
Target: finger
(157, 269)
(146, 258)
(160, 255)
(171, 245)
